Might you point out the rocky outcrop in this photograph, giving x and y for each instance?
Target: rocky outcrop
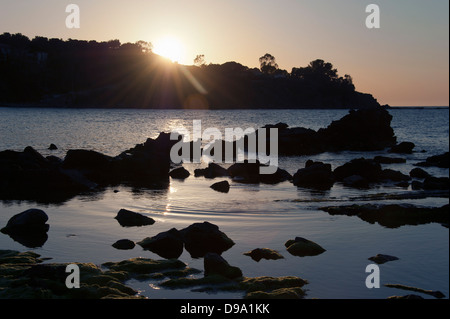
(216, 265)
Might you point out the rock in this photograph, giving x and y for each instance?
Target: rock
(393, 215)
(201, 238)
(212, 171)
(248, 172)
(138, 267)
(436, 183)
(402, 148)
(303, 247)
(406, 297)
(216, 265)
(263, 253)
(418, 173)
(86, 160)
(223, 186)
(179, 173)
(167, 244)
(441, 161)
(416, 185)
(381, 259)
(436, 294)
(128, 218)
(356, 181)
(52, 147)
(124, 244)
(315, 175)
(282, 293)
(30, 221)
(396, 176)
(367, 169)
(389, 160)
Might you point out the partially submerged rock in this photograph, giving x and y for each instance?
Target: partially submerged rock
(249, 172)
(23, 276)
(315, 175)
(263, 253)
(179, 173)
(441, 161)
(212, 171)
(303, 247)
(127, 218)
(436, 294)
(418, 173)
(393, 215)
(402, 148)
(223, 187)
(28, 228)
(216, 265)
(124, 244)
(167, 244)
(389, 160)
(282, 293)
(201, 238)
(381, 258)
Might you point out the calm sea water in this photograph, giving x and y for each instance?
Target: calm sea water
(83, 228)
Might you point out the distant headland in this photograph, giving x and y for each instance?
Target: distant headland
(44, 72)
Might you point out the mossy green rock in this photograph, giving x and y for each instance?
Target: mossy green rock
(303, 247)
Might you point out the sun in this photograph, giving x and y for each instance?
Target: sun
(169, 47)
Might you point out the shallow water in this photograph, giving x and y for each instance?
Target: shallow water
(83, 228)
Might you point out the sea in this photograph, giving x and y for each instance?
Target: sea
(83, 228)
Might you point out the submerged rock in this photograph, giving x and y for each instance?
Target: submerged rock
(124, 244)
(216, 265)
(167, 244)
(393, 215)
(223, 187)
(263, 253)
(381, 259)
(201, 238)
(303, 247)
(127, 218)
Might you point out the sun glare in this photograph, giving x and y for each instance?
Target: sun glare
(171, 48)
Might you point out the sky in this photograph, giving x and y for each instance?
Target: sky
(405, 62)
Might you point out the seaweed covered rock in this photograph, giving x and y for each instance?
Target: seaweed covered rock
(216, 265)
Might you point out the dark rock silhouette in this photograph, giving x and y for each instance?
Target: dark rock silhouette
(418, 173)
(28, 228)
(381, 259)
(201, 238)
(389, 160)
(212, 171)
(393, 215)
(365, 168)
(441, 161)
(263, 253)
(315, 175)
(223, 187)
(248, 172)
(167, 244)
(127, 218)
(52, 147)
(216, 265)
(124, 244)
(179, 173)
(402, 148)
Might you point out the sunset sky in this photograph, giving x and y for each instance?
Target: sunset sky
(404, 63)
